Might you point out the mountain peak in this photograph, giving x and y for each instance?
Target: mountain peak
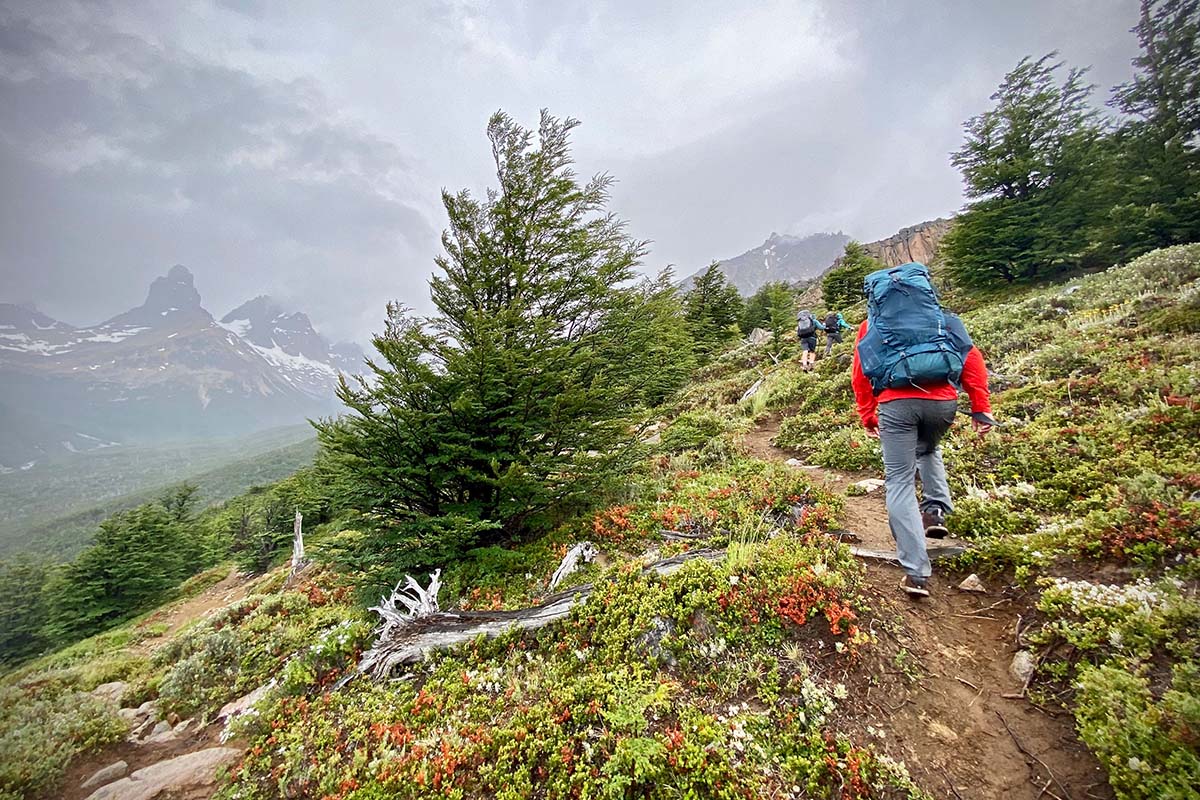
(782, 257)
(257, 311)
(262, 322)
(174, 291)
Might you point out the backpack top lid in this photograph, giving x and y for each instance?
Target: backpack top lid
(902, 304)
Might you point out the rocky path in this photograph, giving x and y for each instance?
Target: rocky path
(182, 760)
(940, 705)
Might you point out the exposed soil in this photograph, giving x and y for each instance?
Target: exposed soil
(231, 588)
(935, 699)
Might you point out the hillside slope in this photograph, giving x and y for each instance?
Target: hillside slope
(775, 662)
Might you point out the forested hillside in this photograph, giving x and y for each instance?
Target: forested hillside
(53, 513)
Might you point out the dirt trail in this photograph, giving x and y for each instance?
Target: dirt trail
(231, 588)
(940, 701)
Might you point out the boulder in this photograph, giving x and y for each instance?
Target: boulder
(1022, 666)
(161, 737)
(651, 642)
(193, 775)
(870, 485)
(759, 336)
(106, 775)
(971, 583)
(110, 692)
(796, 463)
(142, 730)
(240, 706)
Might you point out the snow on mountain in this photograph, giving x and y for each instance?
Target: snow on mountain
(165, 370)
(780, 258)
(287, 341)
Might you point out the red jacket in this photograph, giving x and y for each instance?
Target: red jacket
(974, 382)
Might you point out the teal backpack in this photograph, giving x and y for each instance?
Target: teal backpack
(910, 340)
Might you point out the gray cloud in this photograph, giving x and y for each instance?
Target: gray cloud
(126, 157)
(298, 148)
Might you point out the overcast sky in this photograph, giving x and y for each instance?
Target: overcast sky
(298, 148)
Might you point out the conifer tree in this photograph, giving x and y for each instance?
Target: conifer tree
(1032, 164)
(22, 608)
(843, 285)
(521, 393)
(129, 567)
(713, 308)
(1157, 149)
(772, 308)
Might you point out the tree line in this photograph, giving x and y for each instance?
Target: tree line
(138, 558)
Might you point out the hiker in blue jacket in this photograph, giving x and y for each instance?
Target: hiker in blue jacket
(835, 323)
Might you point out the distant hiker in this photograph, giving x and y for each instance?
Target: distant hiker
(807, 326)
(835, 323)
(909, 360)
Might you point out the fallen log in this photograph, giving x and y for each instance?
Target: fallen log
(680, 536)
(935, 553)
(406, 639)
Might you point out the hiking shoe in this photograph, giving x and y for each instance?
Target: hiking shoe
(914, 586)
(935, 523)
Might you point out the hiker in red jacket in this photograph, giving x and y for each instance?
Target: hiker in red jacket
(910, 422)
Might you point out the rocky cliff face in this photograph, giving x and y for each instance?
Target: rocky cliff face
(915, 243)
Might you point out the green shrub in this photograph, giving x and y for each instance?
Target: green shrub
(205, 679)
(849, 449)
(692, 430)
(42, 728)
(977, 518)
(1147, 746)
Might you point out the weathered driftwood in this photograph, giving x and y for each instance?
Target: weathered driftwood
(298, 560)
(407, 638)
(680, 536)
(419, 602)
(746, 395)
(583, 552)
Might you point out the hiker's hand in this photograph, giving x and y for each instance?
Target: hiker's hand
(982, 423)
(873, 431)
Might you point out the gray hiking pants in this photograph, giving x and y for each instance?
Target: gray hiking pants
(910, 431)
